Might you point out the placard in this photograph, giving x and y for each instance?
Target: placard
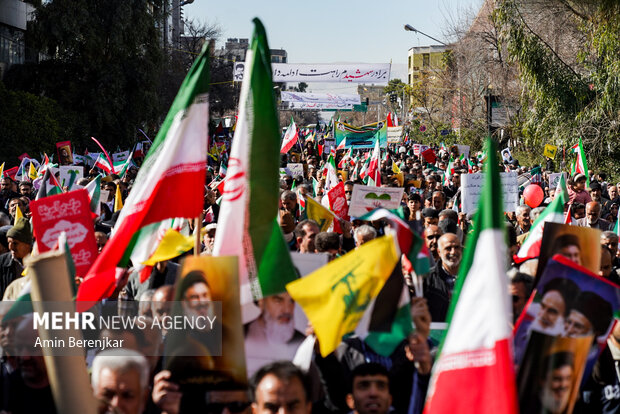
(471, 188)
(65, 174)
(366, 198)
(464, 149)
(295, 169)
(394, 134)
(68, 212)
(554, 180)
(120, 156)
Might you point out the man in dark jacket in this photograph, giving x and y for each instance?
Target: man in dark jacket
(19, 238)
(439, 283)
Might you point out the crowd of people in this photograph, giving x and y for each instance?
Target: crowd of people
(354, 378)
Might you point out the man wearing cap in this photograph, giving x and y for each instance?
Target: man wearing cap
(593, 218)
(596, 192)
(19, 238)
(577, 191)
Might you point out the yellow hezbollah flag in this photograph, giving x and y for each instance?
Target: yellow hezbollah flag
(335, 296)
(395, 168)
(2, 171)
(32, 172)
(118, 199)
(172, 245)
(318, 213)
(550, 151)
(18, 214)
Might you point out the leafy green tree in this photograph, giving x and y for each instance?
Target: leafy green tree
(565, 98)
(101, 60)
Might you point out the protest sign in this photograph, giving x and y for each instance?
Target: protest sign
(68, 212)
(66, 172)
(208, 367)
(419, 149)
(551, 361)
(464, 149)
(554, 179)
(361, 137)
(506, 155)
(120, 156)
(585, 303)
(583, 243)
(65, 153)
(295, 169)
(394, 134)
(366, 198)
(338, 204)
(471, 188)
(550, 151)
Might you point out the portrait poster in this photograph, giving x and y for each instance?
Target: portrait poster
(580, 243)
(549, 378)
(65, 153)
(209, 360)
(569, 301)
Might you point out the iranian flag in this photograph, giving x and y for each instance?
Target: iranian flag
(374, 169)
(169, 184)
(474, 372)
(247, 225)
(553, 213)
(581, 164)
(290, 137)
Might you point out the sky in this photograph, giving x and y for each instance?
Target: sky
(337, 31)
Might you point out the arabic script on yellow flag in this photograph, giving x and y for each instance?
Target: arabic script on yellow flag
(318, 213)
(335, 296)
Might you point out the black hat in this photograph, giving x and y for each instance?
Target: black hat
(430, 212)
(596, 309)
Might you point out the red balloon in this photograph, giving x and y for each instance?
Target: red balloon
(533, 195)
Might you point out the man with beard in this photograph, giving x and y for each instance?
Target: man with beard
(556, 383)
(590, 315)
(523, 219)
(593, 218)
(272, 336)
(29, 389)
(6, 193)
(557, 300)
(439, 283)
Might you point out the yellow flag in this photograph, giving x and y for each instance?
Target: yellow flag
(32, 172)
(18, 215)
(395, 168)
(118, 199)
(335, 296)
(172, 244)
(550, 151)
(318, 213)
(2, 170)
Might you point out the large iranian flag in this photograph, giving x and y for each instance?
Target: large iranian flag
(474, 372)
(247, 225)
(170, 182)
(553, 213)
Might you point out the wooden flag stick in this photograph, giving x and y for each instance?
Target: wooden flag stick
(197, 228)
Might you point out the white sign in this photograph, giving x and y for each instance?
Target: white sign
(471, 188)
(394, 134)
(120, 156)
(65, 173)
(344, 99)
(377, 73)
(295, 169)
(419, 149)
(318, 105)
(366, 198)
(464, 149)
(554, 180)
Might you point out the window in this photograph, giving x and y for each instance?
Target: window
(426, 59)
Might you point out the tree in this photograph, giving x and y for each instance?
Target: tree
(571, 87)
(101, 61)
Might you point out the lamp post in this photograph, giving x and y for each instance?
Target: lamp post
(410, 28)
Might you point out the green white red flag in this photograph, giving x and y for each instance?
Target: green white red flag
(290, 138)
(474, 371)
(247, 225)
(581, 164)
(170, 182)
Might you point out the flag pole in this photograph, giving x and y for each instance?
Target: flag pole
(197, 228)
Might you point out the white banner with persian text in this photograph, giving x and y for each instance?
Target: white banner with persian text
(317, 105)
(342, 99)
(377, 73)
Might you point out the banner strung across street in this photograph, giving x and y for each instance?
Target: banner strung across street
(375, 73)
(318, 105)
(344, 99)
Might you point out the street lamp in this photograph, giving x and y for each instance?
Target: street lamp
(410, 28)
